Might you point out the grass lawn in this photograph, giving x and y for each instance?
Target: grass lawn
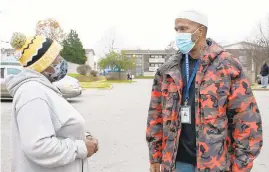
(104, 84)
(74, 75)
(118, 81)
(90, 78)
(258, 87)
(97, 82)
(144, 77)
(99, 85)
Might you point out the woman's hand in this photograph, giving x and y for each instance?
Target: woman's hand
(92, 146)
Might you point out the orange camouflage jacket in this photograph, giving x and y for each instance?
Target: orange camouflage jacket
(228, 122)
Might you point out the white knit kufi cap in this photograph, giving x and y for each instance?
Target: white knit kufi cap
(194, 16)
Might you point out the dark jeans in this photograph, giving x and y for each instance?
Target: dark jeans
(184, 167)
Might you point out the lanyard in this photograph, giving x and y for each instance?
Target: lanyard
(189, 80)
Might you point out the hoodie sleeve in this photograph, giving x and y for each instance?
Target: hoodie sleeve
(39, 143)
(247, 124)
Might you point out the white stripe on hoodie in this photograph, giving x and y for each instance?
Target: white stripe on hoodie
(48, 133)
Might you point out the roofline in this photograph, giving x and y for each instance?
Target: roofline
(90, 50)
(242, 42)
(164, 51)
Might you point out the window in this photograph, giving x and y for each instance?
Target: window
(152, 65)
(2, 72)
(138, 60)
(154, 56)
(13, 71)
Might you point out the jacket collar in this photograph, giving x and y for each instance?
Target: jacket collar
(210, 53)
(172, 67)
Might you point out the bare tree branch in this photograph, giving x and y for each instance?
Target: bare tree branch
(258, 48)
(171, 45)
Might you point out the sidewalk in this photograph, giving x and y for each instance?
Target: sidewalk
(261, 164)
(257, 87)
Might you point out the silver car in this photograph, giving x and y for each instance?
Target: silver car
(8, 69)
(69, 86)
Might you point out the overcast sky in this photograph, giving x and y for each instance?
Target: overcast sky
(144, 24)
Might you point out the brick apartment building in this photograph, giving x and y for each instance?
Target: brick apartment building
(148, 61)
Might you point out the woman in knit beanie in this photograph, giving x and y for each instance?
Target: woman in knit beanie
(48, 133)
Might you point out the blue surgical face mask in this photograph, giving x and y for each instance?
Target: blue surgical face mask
(184, 42)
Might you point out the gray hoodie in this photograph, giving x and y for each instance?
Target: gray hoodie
(48, 133)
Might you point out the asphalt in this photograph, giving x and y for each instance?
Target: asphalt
(117, 117)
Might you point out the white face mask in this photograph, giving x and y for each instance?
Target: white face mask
(60, 71)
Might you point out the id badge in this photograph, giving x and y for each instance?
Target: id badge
(186, 114)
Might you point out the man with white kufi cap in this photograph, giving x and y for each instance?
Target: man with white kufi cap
(202, 115)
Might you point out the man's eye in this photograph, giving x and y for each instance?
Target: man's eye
(182, 29)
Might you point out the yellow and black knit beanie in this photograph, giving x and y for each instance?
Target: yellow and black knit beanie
(36, 53)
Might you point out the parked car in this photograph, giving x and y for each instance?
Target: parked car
(259, 79)
(69, 86)
(5, 71)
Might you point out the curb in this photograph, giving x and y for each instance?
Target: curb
(110, 88)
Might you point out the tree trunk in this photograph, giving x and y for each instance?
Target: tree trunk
(119, 74)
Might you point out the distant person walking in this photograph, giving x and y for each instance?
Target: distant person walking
(129, 76)
(264, 75)
(48, 132)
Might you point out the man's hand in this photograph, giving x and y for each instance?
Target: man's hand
(92, 146)
(155, 167)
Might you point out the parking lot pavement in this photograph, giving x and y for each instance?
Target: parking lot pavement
(262, 162)
(117, 118)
